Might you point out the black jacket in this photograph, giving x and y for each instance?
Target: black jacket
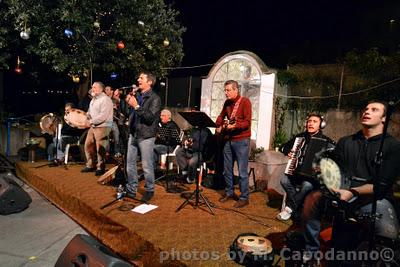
(146, 116)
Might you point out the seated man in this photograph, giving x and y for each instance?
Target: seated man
(195, 150)
(298, 179)
(69, 135)
(356, 154)
(167, 137)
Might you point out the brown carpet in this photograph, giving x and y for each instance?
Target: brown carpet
(190, 237)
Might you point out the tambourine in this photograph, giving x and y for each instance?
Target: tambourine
(330, 174)
(76, 118)
(257, 250)
(49, 122)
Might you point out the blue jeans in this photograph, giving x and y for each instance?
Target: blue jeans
(115, 131)
(295, 193)
(160, 150)
(386, 226)
(188, 161)
(239, 151)
(146, 148)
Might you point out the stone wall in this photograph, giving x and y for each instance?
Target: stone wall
(345, 123)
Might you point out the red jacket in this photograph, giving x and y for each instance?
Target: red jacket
(243, 118)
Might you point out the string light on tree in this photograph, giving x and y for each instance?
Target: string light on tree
(75, 78)
(113, 76)
(141, 23)
(96, 24)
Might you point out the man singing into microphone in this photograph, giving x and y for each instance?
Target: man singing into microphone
(143, 121)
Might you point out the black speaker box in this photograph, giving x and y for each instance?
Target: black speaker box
(13, 198)
(84, 250)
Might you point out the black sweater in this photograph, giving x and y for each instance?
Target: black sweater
(356, 155)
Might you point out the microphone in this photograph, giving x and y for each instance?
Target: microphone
(133, 87)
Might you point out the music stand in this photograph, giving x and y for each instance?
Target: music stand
(168, 135)
(198, 120)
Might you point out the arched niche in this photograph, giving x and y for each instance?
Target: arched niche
(257, 82)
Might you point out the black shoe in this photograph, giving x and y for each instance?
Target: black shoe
(190, 180)
(130, 195)
(227, 198)
(88, 169)
(100, 172)
(147, 196)
(241, 203)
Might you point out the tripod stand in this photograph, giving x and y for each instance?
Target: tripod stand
(200, 120)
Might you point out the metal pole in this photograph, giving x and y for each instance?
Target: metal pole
(190, 90)
(340, 88)
(8, 138)
(166, 91)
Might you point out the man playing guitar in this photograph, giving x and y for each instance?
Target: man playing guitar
(237, 111)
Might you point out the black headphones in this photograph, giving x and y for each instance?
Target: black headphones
(322, 125)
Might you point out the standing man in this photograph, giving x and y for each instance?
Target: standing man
(109, 91)
(143, 121)
(356, 154)
(234, 122)
(302, 180)
(100, 118)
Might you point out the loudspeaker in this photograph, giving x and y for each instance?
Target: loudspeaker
(84, 250)
(13, 198)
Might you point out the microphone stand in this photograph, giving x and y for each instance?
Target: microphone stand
(378, 164)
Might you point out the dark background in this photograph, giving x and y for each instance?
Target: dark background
(279, 32)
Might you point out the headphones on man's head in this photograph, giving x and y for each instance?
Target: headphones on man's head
(321, 117)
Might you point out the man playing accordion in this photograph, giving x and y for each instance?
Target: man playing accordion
(299, 176)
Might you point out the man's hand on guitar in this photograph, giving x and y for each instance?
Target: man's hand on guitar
(219, 129)
(231, 127)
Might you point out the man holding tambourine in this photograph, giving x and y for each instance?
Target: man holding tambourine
(356, 154)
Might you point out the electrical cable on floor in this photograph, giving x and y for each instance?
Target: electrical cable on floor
(249, 216)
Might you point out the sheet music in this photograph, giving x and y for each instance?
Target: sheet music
(144, 208)
(168, 135)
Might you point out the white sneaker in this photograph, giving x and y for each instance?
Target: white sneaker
(285, 214)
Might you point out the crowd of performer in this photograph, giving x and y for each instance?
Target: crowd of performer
(148, 132)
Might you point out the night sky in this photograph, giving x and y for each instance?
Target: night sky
(279, 32)
(285, 32)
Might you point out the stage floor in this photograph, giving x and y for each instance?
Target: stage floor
(161, 237)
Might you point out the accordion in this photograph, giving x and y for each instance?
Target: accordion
(294, 160)
(305, 157)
